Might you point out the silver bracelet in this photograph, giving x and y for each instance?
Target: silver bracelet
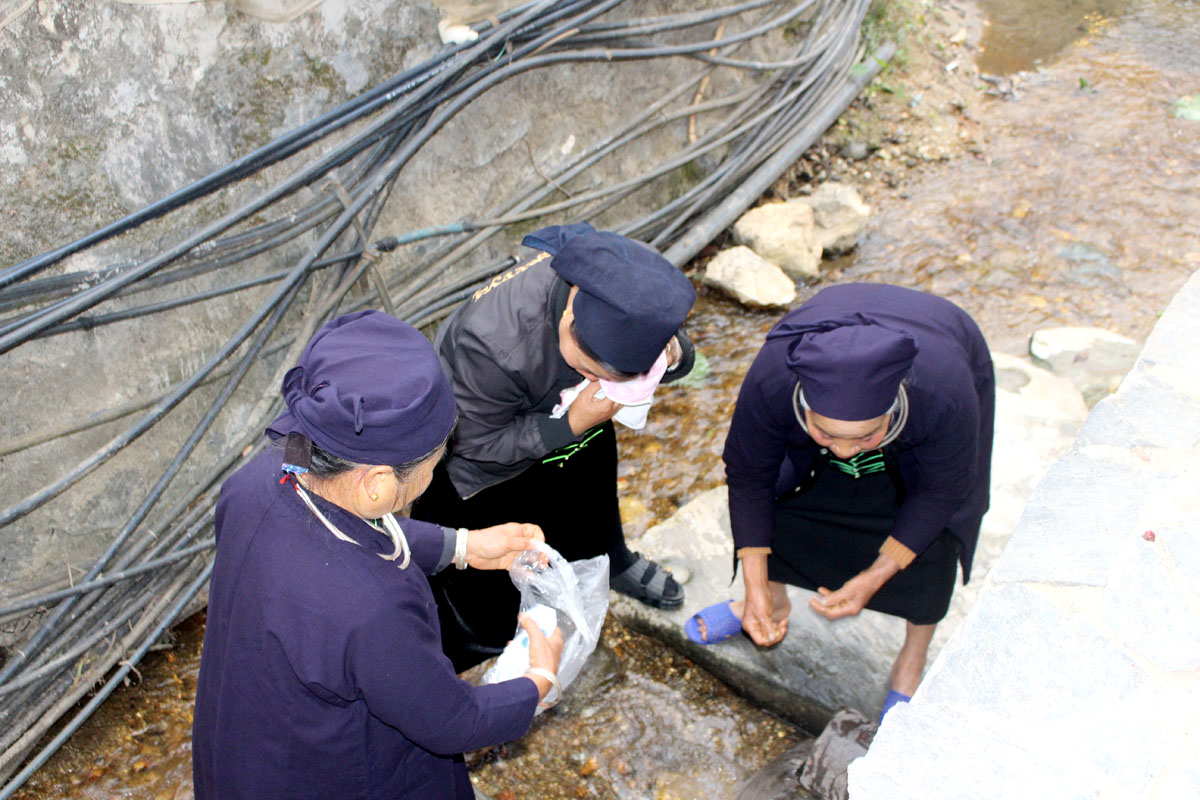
(460, 548)
(555, 686)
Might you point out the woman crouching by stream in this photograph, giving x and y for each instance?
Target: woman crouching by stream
(859, 462)
(322, 673)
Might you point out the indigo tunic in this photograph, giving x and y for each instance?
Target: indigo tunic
(944, 451)
(322, 674)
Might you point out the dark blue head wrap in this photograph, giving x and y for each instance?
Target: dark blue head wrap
(370, 389)
(850, 368)
(631, 300)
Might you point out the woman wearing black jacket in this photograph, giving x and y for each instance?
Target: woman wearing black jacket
(589, 306)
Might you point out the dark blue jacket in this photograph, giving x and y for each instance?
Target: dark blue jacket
(944, 452)
(322, 674)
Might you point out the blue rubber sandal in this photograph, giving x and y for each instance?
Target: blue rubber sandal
(719, 622)
(893, 697)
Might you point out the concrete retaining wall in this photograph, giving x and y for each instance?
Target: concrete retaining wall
(106, 106)
(1077, 672)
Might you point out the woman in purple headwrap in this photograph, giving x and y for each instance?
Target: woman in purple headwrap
(322, 674)
(858, 464)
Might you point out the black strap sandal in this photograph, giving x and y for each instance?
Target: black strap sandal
(642, 581)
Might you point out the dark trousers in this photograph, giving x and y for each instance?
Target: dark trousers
(571, 494)
(830, 532)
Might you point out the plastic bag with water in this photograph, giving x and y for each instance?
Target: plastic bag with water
(578, 593)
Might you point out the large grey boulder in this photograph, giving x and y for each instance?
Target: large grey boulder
(750, 279)
(814, 768)
(839, 214)
(265, 10)
(825, 665)
(784, 234)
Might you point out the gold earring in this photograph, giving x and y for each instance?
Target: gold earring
(374, 497)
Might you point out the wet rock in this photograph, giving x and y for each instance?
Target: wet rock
(856, 151)
(749, 278)
(1094, 359)
(784, 234)
(779, 779)
(845, 738)
(839, 214)
(602, 671)
(1094, 268)
(825, 665)
(814, 769)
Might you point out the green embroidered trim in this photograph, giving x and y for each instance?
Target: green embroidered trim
(861, 464)
(566, 451)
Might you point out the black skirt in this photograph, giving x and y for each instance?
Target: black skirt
(571, 494)
(828, 532)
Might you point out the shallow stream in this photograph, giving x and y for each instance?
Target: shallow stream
(1063, 194)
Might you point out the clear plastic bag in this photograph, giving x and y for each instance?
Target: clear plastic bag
(578, 593)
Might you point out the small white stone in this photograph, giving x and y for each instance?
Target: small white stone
(749, 279)
(452, 33)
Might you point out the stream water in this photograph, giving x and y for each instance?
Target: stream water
(1075, 202)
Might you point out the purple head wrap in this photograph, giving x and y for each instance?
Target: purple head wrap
(370, 389)
(850, 368)
(631, 300)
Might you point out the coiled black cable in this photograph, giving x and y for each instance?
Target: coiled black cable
(141, 577)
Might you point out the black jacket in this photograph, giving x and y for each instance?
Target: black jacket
(500, 350)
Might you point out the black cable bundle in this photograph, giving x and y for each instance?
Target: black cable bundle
(92, 633)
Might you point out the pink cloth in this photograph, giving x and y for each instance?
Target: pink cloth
(636, 391)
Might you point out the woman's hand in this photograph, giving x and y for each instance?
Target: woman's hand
(497, 546)
(856, 592)
(587, 411)
(759, 621)
(765, 615)
(544, 652)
